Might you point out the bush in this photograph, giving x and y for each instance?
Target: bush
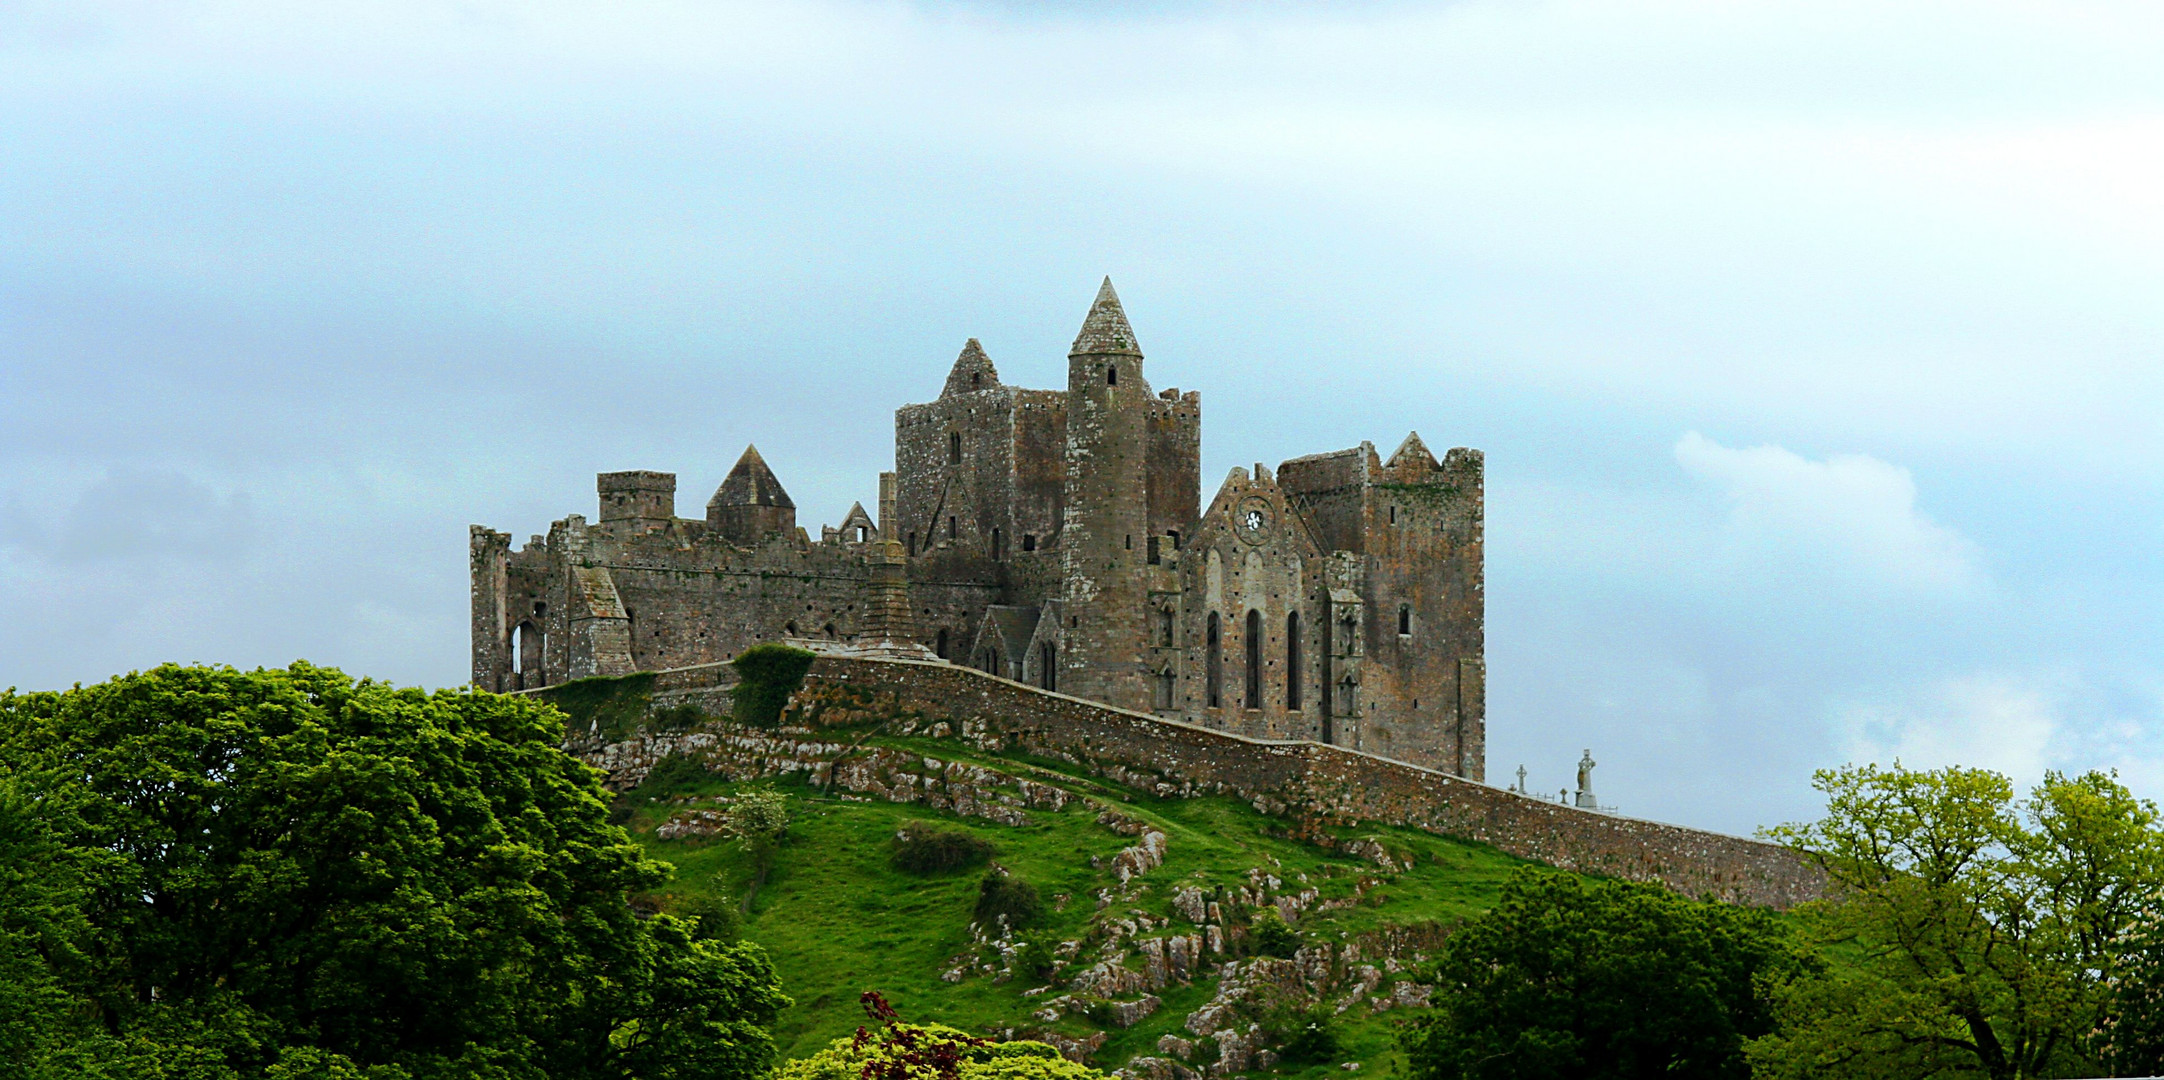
(889, 1048)
(1603, 980)
(1270, 936)
(713, 917)
(610, 707)
(1309, 1036)
(1034, 961)
(1002, 893)
(670, 775)
(921, 849)
(766, 676)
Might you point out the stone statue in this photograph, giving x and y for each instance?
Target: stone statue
(1585, 782)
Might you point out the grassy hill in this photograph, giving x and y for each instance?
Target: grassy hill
(838, 919)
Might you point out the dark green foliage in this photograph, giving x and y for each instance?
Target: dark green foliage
(672, 774)
(1001, 893)
(921, 849)
(712, 917)
(1604, 980)
(1308, 1036)
(610, 708)
(290, 874)
(676, 717)
(1034, 961)
(766, 676)
(1270, 936)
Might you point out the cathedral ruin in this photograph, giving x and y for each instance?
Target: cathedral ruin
(1055, 538)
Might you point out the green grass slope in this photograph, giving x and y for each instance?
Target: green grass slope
(838, 919)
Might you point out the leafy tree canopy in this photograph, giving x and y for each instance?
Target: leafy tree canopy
(1984, 932)
(1599, 980)
(214, 874)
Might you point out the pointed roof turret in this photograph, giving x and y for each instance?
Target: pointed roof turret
(972, 371)
(1410, 451)
(751, 483)
(1105, 329)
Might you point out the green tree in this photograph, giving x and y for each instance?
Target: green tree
(757, 818)
(1599, 980)
(290, 873)
(1979, 933)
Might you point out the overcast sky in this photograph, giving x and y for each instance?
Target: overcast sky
(1814, 346)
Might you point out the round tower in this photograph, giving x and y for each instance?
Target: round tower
(1105, 532)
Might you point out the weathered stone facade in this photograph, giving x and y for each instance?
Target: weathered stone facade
(1058, 538)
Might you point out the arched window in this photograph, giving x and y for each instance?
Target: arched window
(996, 552)
(942, 646)
(1047, 674)
(1165, 684)
(1348, 633)
(1254, 659)
(1405, 618)
(1292, 661)
(1164, 626)
(1347, 700)
(954, 447)
(1214, 664)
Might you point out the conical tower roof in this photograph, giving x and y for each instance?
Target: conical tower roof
(972, 371)
(1105, 329)
(751, 483)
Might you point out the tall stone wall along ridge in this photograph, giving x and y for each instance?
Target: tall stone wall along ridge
(1318, 783)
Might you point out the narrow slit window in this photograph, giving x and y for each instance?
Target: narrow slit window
(1254, 659)
(1292, 661)
(1214, 664)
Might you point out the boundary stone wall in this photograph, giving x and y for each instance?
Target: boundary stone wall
(1313, 782)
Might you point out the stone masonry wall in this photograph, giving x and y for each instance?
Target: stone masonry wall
(1323, 784)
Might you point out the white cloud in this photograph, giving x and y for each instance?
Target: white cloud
(1997, 722)
(1849, 508)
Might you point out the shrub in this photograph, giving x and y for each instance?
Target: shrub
(1001, 893)
(1270, 936)
(1309, 1036)
(766, 676)
(889, 1049)
(1034, 961)
(921, 849)
(671, 774)
(713, 917)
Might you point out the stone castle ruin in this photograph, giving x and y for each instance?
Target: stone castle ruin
(1054, 538)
